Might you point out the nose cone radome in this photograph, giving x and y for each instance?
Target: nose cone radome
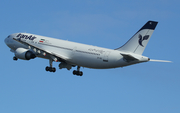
(6, 40)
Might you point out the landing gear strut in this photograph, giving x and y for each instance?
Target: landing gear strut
(78, 72)
(50, 69)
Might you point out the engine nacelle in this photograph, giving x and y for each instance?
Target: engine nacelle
(24, 54)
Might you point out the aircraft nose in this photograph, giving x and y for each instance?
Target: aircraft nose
(10, 42)
(6, 40)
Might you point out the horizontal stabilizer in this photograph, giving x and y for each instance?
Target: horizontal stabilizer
(159, 60)
(134, 57)
(128, 57)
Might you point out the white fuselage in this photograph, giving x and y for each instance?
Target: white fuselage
(76, 53)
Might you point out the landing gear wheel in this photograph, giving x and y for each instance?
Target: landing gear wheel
(47, 68)
(53, 69)
(15, 58)
(81, 73)
(74, 72)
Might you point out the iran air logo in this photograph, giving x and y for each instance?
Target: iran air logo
(141, 39)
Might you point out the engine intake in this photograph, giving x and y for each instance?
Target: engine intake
(24, 54)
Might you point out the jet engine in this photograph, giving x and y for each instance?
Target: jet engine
(24, 54)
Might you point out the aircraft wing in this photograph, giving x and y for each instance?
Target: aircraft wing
(38, 50)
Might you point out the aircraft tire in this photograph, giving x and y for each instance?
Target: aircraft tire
(74, 72)
(47, 68)
(81, 73)
(53, 69)
(15, 58)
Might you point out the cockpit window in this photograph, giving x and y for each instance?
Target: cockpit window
(8, 36)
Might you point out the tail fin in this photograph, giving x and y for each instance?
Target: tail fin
(138, 42)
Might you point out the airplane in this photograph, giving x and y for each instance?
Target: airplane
(28, 46)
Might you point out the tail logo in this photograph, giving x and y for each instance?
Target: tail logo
(141, 39)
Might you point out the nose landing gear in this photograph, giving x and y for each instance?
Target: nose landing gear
(15, 58)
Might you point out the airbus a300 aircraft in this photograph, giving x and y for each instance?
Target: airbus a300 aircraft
(27, 46)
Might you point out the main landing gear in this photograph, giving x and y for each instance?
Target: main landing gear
(53, 69)
(50, 69)
(78, 72)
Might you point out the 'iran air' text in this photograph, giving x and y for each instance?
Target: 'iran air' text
(30, 37)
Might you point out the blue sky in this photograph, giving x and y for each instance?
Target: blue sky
(150, 87)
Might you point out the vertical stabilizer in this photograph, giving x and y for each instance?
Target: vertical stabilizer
(139, 41)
